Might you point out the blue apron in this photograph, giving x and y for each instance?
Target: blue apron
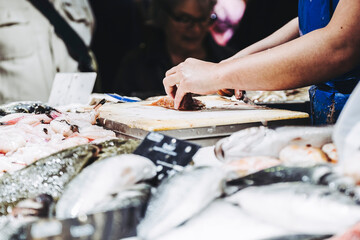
(326, 99)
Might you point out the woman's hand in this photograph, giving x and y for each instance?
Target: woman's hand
(193, 76)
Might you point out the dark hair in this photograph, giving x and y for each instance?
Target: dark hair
(159, 8)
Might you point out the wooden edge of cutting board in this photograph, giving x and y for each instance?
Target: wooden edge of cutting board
(152, 118)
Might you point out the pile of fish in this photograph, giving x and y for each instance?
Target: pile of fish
(78, 180)
(44, 149)
(51, 174)
(281, 202)
(32, 131)
(274, 184)
(256, 148)
(264, 196)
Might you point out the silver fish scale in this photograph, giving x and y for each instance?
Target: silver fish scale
(47, 175)
(117, 147)
(180, 197)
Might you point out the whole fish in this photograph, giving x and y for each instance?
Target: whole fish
(97, 182)
(263, 141)
(179, 197)
(322, 174)
(281, 173)
(48, 175)
(25, 107)
(300, 207)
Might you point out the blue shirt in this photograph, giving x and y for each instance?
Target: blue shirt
(328, 98)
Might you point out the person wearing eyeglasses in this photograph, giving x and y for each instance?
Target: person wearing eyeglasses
(178, 29)
(321, 48)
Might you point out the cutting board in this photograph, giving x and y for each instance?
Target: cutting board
(219, 111)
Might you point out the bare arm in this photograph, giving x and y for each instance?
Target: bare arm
(288, 32)
(310, 59)
(313, 58)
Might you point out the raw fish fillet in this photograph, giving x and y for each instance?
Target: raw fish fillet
(187, 104)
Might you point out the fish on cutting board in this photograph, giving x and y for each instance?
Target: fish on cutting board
(188, 103)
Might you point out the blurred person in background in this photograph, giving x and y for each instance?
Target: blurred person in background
(229, 14)
(31, 53)
(179, 29)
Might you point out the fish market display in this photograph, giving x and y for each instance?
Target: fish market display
(263, 141)
(188, 103)
(48, 175)
(26, 137)
(101, 179)
(302, 207)
(180, 197)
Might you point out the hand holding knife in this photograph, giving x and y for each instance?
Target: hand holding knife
(239, 95)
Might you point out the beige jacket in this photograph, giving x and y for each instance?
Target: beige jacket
(30, 51)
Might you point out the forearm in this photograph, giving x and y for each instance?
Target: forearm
(287, 33)
(313, 58)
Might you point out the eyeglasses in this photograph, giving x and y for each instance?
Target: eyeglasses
(189, 21)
